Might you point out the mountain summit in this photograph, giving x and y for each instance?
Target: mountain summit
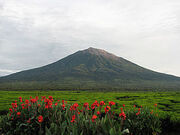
(98, 52)
(90, 69)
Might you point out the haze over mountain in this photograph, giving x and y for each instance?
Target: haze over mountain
(90, 69)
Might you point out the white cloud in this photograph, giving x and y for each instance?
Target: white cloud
(34, 33)
(4, 72)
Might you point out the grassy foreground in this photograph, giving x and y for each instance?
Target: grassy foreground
(168, 102)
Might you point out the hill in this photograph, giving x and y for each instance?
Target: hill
(90, 69)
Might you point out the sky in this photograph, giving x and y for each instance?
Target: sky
(35, 33)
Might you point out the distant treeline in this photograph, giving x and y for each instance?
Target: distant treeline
(86, 87)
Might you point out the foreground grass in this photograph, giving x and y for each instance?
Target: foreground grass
(168, 102)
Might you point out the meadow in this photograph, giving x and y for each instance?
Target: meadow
(167, 102)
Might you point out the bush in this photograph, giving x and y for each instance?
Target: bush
(44, 116)
(143, 121)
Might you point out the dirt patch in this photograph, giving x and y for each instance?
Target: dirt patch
(166, 105)
(173, 101)
(127, 98)
(72, 100)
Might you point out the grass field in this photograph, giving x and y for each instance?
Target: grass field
(168, 102)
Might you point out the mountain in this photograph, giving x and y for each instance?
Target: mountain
(90, 69)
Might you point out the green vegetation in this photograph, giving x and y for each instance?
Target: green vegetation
(45, 116)
(168, 102)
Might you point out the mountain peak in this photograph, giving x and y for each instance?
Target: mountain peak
(95, 50)
(99, 52)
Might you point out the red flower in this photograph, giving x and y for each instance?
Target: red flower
(56, 104)
(20, 99)
(151, 112)
(73, 119)
(33, 100)
(43, 97)
(155, 105)
(46, 106)
(18, 113)
(14, 105)
(37, 98)
(95, 104)
(121, 109)
(40, 118)
(29, 121)
(107, 108)
(98, 113)
(92, 106)
(74, 106)
(123, 105)
(27, 101)
(111, 103)
(48, 103)
(137, 113)
(102, 103)
(10, 109)
(93, 118)
(46, 100)
(122, 115)
(63, 106)
(23, 106)
(86, 105)
(51, 98)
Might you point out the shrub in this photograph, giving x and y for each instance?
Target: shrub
(142, 121)
(44, 116)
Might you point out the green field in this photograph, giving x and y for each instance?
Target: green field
(168, 102)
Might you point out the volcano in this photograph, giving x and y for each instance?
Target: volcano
(91, 69)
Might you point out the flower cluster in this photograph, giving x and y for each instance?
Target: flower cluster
(122, 114)
(41, 112)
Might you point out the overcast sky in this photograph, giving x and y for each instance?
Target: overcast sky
(34, 33)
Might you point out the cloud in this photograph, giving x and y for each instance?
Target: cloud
(4, 72)
(35, 33)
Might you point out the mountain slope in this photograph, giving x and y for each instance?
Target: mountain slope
(91, 68)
